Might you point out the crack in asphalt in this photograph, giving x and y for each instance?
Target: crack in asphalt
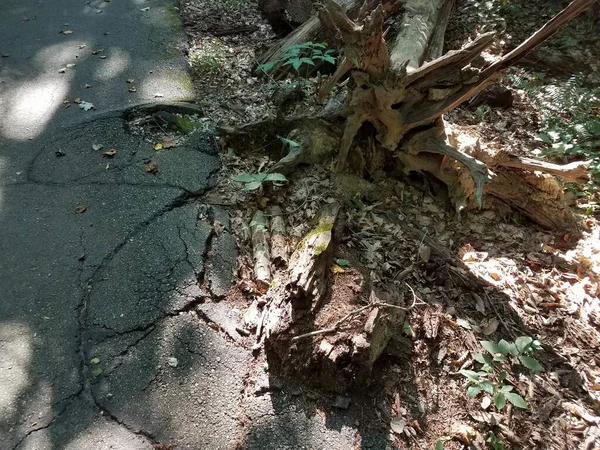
(67, 402)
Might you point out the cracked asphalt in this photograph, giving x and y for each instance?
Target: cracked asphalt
(107, 316)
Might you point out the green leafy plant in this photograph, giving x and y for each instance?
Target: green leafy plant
(495, 442)
(491, 377)
(570, 118)
(254, 181)
(482, 111)
(300, 55)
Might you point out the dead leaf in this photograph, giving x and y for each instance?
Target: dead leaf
(397, 425)
(463, 432)
(77, 100)
(151, 167)
(336, 269)
(129, 80)
(110, 153)
(102, 57)
(81, 209)
(66, 32)
(158, 146)
(490, 326)
(217, 227)
(132, 89)
(63, 70)
(486, 402)
(424, 253)
(86, 106)
(95, 52)
(170, 142)
(463, 323)
(71, 65)
(97, 147)
(479, 305)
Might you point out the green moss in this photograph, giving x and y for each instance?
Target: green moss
(319, 249)
(171, 17)
(322, 227)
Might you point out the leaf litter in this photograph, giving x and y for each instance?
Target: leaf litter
(485, 275)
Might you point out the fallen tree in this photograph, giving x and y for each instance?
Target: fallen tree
(403, 98)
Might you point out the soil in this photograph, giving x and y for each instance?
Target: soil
(484, 275)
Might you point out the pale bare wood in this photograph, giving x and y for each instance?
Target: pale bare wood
(416, 30)
(575, 172)
(260, 249)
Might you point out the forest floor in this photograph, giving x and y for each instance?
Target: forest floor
(482, 275)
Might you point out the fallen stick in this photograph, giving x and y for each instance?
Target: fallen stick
(260, 249)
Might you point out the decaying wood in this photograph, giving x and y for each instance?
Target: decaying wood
(575, 172)
(417, 28)
(313, 31)
(396, 94)
(260, 249)
(304, 284)
(279, 254)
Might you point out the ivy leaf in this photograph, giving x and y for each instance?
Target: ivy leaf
(504, 347)
(499, 401)
(470, 375)
(523, 343)
(531, 363)
(473, 391)
(245, 178)
(516, 400)
(252, 186)
(487, 387)
(482, 358)
(490, 346)
(275, 177)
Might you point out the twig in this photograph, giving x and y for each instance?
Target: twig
(351, 314)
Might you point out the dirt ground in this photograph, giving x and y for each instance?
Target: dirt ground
(477, 276)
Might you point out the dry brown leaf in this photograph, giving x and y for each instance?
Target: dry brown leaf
(110, 153)
(170, 142)
(489, 326)
(463, 432)
(80, 209)
(424, 253)
(151, 167)
(336, 269)
(132, 89)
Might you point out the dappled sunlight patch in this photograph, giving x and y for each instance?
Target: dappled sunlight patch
(117, 62)
(173, 83)
(31, 104)
(15, 357)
